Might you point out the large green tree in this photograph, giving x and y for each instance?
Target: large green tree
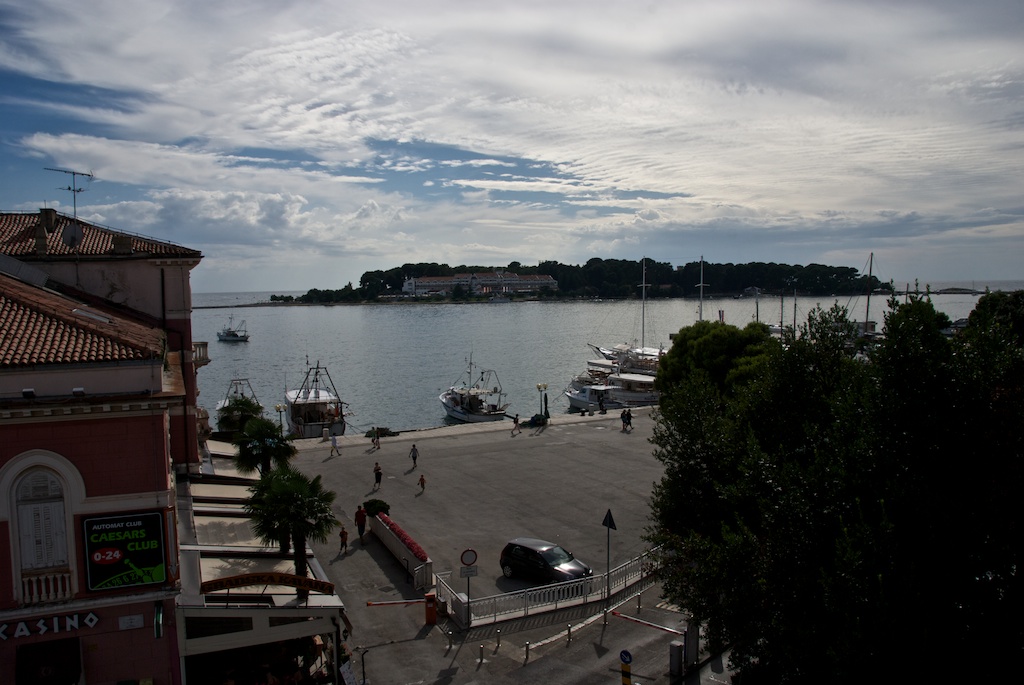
(287, 506)
(835, 519)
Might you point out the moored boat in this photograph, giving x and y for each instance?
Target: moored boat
(232, 333)
(476, 398)
(238, 406)
(315, 406)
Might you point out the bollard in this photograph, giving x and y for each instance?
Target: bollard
(606, 617)
(527, 650)
(638, 602)
(481, 653)
(499, 637)
(449, 640)
(568, 632)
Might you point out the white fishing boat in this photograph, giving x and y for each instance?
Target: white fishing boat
(476, 397)
(315, 406)
(617, 391)
(240, 400)
(232, 333)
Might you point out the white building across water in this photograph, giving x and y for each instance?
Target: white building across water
(487, 283)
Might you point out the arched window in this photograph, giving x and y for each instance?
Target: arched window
(42, 528)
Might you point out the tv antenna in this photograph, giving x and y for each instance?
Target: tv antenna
(73, 188)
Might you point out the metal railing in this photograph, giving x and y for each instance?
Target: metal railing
(509, 605)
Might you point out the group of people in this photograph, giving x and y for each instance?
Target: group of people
(627, 420)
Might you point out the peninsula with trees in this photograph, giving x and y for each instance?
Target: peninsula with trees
(598, 278)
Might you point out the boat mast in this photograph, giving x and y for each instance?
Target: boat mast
(867, 308)
(701, 285)
(643, 302)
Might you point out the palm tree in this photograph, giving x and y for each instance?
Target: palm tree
(237, 412)
(261, 445)
(288, 504)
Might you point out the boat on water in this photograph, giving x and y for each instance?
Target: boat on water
(239, 405)
(476, 397)
(620, 376)
(315, 406)
(232, 333)
(617, 391)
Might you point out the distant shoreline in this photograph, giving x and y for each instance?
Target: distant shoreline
(409, 301)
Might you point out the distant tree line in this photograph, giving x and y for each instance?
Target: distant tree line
(621, 279)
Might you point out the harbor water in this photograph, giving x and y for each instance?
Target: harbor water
(390, 362)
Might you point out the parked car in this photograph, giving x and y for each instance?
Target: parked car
(541, 560)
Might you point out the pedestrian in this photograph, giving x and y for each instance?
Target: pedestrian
(376, 437)
(414, 454)
(423, 483)
(360, 522)
(343, 538)
(377, 473)
(622, 417)
(600, 404)
(334, 445)
(515, 425)
(629, 420)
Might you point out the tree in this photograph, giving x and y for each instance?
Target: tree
(286, 504)
(261, 446)
(829, 518)
(238, 410)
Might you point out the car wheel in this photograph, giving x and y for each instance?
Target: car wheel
(507, 570)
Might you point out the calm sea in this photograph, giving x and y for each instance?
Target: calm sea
(390, 362)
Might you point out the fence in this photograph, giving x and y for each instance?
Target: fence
(635, 574)
(422, 573)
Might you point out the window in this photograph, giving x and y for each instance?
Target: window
(42, 529)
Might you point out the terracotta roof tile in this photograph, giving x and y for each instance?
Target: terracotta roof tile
(23, 234)
(38, 326)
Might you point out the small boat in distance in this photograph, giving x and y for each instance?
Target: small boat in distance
(476, 398)
(238, 406)
(315, 406)
(232, 333)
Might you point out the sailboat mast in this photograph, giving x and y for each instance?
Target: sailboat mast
(701, 285)
(867, 308)
(643, 302)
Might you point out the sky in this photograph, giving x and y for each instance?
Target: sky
(301, 143)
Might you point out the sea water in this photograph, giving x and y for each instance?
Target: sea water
(390, 362)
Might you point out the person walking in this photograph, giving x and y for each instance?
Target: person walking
(343, 539)
(622, 417)
(360, 522)
(377, 473)
(423, 483)
(629, 420)
(414, 454)
(334, 445)
(515, 425)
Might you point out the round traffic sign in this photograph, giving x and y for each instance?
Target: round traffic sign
(469, 557)
(626, 656)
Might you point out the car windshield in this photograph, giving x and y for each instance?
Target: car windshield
(556, 556)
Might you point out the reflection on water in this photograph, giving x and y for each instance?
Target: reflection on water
(391, 362)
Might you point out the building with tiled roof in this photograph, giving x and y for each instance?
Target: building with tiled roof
(107, 574)
(494, 283)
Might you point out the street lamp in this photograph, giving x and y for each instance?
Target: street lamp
(280, 408)
(541, 389)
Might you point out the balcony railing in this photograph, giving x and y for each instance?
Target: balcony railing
(41, 587)
(200, 353)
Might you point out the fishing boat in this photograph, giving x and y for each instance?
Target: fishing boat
(232, 333)
(314, 408)
(238, 406)
(476, 397)
(618, 390)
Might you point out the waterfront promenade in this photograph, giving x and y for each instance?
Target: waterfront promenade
(483, 487)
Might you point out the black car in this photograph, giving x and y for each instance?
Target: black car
(539, 559)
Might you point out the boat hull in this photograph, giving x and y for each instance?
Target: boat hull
(461, 413)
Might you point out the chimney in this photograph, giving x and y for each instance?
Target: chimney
(48, 219)
(122, 244)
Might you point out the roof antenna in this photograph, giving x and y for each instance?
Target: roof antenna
(75, 190)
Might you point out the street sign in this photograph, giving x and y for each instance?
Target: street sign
(609, 522)
(469, 557)
(626, 657)
(467, 571)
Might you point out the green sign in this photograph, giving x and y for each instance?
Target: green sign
(123, 551)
